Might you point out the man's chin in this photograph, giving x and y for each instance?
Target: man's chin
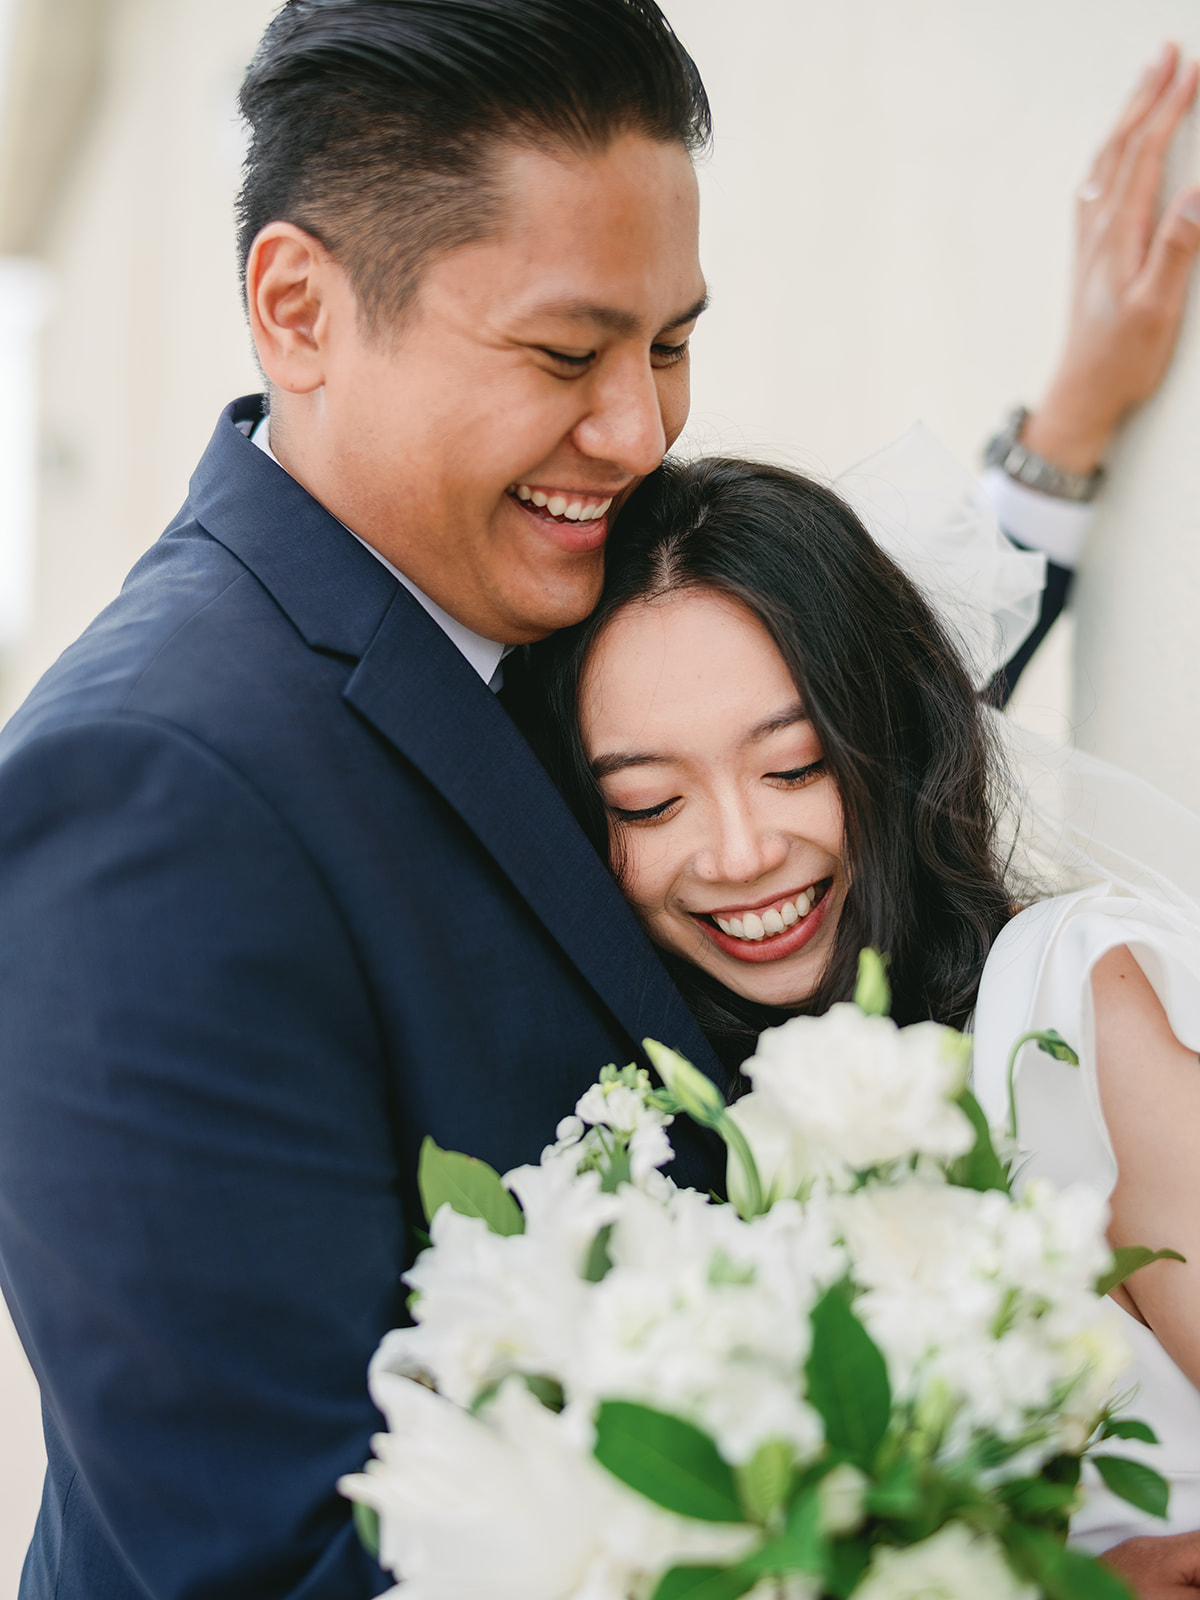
(558, 606)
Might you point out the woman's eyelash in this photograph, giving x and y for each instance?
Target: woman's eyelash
(800, 774)
(647, 815)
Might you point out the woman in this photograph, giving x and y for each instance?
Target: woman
(772, 738)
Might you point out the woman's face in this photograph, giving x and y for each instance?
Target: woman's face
(727, 825)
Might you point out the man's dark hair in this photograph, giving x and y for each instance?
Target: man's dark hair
(374, 122)
(902, 731)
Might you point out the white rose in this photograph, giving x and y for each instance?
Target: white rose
(952, 1565)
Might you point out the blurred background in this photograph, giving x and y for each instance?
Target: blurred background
(887, 221)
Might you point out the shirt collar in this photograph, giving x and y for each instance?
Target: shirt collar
(485, 655)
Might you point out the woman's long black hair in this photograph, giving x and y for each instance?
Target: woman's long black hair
(900, 725)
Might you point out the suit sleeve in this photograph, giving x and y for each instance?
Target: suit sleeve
(1055, 596)
(200, 1235)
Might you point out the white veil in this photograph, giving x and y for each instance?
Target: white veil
(1069, 818)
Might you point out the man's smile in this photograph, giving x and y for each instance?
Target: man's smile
(577, 520)
(562, 505)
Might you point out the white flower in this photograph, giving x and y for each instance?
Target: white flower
(490, 1304)
(986, 1305)
(951, 1565)
(706, 1316)
(839, 1094)
(512, 1506)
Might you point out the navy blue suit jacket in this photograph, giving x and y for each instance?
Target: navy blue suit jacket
(282, 890)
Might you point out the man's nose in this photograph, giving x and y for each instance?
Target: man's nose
(624, 424)
(740, 849)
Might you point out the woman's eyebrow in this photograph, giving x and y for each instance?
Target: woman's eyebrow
(618, 760)
(787, 718)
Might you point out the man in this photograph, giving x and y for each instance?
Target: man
(283, 888)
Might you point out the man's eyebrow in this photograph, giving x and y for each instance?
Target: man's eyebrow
(624, 323)
(619, 760)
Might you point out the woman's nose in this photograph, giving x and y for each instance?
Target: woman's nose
(740, 848)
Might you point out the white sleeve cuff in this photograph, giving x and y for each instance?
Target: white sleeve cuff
(1058, 527)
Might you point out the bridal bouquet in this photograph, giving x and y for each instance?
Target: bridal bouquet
(873, 1372)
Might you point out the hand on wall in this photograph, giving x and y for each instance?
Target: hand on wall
(1131, 276)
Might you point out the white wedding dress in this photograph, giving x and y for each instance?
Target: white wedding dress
(1130, 856)
(1037, 977)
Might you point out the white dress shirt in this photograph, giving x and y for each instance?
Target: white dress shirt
(1039, 521)
(485, 655)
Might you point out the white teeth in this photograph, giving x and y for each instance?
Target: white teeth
(755, 926)
(559, 506)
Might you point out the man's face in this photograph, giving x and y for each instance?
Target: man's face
(538, 376)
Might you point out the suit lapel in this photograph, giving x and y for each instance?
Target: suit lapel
(420, 694)
(417, 691)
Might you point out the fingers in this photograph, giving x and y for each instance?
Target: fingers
(1134, 190)
(1162, 285)
(1151, 86)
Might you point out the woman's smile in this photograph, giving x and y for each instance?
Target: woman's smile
(770, 930)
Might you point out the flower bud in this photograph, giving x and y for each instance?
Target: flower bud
(697, 1095)
(841, 1496)
(873, 993)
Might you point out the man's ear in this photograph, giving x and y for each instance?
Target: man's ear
(293, 286)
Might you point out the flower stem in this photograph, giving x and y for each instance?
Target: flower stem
(737, 1143)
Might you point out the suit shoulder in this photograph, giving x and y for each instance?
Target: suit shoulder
(186, 585)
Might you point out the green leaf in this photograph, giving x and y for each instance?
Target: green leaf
(1135, 1482)
(1131, 1258)
(466, 1185)
(548, 1390)
(599, 1263)
(898, 1492)
(1037, 1497)
(668, 1460)
(1060, 1573)
(1129, 1428)
(873, 992)
(704, 1583)
(366, 1525)
(763, 1482)
(801, 1547)
(981, 1168)
(848, 1559)
(847, 1379)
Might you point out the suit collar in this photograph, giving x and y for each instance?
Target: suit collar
(331, 587)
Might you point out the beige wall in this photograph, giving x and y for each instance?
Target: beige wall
(145, 341)
(886, 230)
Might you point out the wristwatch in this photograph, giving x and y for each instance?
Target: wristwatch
(1006, 451)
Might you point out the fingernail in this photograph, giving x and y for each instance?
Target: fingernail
(1191, 207)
